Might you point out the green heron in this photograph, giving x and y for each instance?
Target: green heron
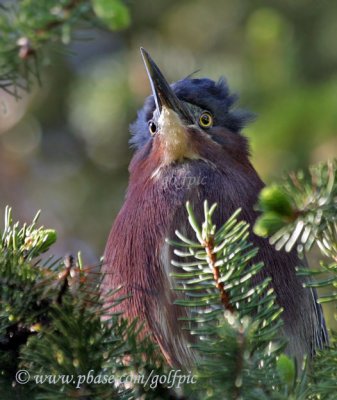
(189, 146)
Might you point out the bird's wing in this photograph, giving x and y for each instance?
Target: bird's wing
(321, 336)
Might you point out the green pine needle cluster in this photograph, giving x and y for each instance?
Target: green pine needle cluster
(53, 324)
(25, 289)
(309, 219)
(301, 211)
(237, 323)
(30, 28)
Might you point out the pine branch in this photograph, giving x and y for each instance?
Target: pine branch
(53, 323)
(302, 210)
(29, 28)
(24, 288)
(208, 244)
(238, 345)
(323, 383)
(52, 319)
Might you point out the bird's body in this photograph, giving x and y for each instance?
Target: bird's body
(180, 161)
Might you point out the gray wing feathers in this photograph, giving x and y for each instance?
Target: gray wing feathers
(320, 331)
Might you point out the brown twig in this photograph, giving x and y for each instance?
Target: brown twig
(225, 300)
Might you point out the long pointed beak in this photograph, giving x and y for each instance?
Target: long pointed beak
(163, 95)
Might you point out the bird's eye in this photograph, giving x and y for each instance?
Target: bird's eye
(152, 127)
(205, 120)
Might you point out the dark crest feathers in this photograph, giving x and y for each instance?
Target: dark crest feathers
(205, 93)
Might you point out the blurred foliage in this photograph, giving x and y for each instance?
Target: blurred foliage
(112, 12)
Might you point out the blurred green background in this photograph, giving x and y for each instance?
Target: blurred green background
(64, 148)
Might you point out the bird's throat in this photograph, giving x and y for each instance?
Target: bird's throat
(174, 139)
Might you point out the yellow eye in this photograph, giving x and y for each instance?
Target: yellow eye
(205, 120)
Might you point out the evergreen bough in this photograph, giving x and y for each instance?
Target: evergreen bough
(53, 322)
(30, 28)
